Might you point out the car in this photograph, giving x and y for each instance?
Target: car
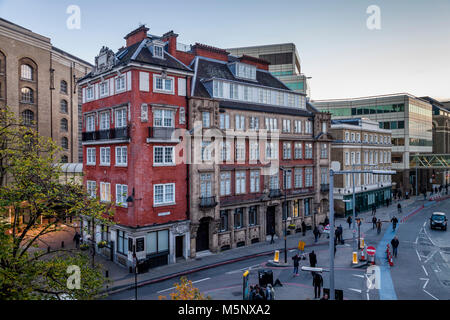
(438, 220)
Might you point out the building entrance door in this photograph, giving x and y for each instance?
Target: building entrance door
(202, 242)
(270, 220)
(179, 246)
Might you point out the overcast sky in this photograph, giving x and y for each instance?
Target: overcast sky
(410, 53)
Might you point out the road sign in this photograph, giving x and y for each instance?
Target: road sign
(371, 251)
(301, 245)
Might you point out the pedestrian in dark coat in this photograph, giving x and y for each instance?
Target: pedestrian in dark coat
(394, 221)
(303, 228)
(77, 238)
(251, 295)
(394, 243)
(296, 260)
(378, 226)
(312, 259)
(317, 283)
(349, 221)
(316, 233)
(374, 209)
(272, 233)
(399, 208)
(374, 222)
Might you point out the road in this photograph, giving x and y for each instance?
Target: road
(421, 270)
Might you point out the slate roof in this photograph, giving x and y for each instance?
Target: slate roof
(207, 69)
(144, 56)
(226, 104)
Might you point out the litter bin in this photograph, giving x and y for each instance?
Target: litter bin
(265, 277)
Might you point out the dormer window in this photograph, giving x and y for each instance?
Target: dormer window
(243, 71)
(158, 52)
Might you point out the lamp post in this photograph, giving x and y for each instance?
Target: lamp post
(285, 210)
(358, 220)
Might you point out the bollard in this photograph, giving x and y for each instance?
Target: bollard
(131, 269)
(62, 244)
(48, 249)
(355, 257)
(106, 273)
(276, 257)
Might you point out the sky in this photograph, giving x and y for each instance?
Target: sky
(410, 52)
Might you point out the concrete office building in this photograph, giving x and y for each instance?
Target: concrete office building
(409, 118)
(38, 83)
(284, 63)
(360, 144)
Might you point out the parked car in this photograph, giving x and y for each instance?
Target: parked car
(438, 220)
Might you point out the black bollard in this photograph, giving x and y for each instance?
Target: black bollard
(131, 269)
(48, 249)
(106, 273)
(62, 244)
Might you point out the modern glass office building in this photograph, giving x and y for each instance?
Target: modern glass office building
(409, 118)
(284, 63)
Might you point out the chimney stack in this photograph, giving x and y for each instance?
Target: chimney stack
(136, 35)
(172, 38)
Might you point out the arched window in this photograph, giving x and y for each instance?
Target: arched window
(64, 108)
(28, 117)
(63, 86)
(26, 72)
(64, 125)
(64, 143)
(64, 159)
(27, 95)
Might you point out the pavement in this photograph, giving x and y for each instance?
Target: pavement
(123, 280)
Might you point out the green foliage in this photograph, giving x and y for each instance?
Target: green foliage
(28, 161)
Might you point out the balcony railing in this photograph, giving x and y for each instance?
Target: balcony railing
(162, 133)
(324, 187)
(108, 134)
(275, 193)
(208, 202)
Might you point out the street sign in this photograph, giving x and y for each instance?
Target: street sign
(301, 245)
(371, 251)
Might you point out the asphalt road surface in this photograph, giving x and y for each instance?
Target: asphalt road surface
(421, 271)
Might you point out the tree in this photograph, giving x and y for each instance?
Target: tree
(34, 203)
(186, 291)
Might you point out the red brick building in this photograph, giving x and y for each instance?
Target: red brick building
(133, 101)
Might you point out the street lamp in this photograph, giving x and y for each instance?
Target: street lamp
(358, 221)
(285, 210)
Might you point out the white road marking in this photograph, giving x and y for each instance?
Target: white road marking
(357, 290)
(424, 224)
(418, 255)
(417, 239)
(431, 256)
(359, 275)
(426, 282)
(430, 294)
(368, 296)
(192, 282)
(425, 270)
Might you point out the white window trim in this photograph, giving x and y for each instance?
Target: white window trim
(164, 163)
(105, 163)
(90, 89)
(104, 184)
(106, 82)
(88, 163)
(118, 164)
(164, 195)
(172, 91)
(123, 204)
(118, 90)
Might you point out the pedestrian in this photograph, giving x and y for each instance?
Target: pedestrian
(320, 230)
(349, 221)
(317, 283)
(270, 292)
(326, 221)
(251, 295)
(325, 297)
(258, 295)
(272, 234)
(394, 221)
(341, 231)
(378, 226)
(316, 233)
(335, 243)
(303, 227)
(77, 238)
(296, 259)
(394, 243)
(399, 208)
(374, 209)
(312, 259)
(262, 293)
(374, 222)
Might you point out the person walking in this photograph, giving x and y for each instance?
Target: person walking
(320, 230)
(312, 259)
(374, 222)
(394, 243)
(303, 228)
(399, 208)
(316, 233)
(394, 221)
(341, 231)
(317, 283)
(296, 260)
(374, 209)
(77, 238)
(270, 292)
(251, 295)
(349, 221)
(378, 226)
(272, 234)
